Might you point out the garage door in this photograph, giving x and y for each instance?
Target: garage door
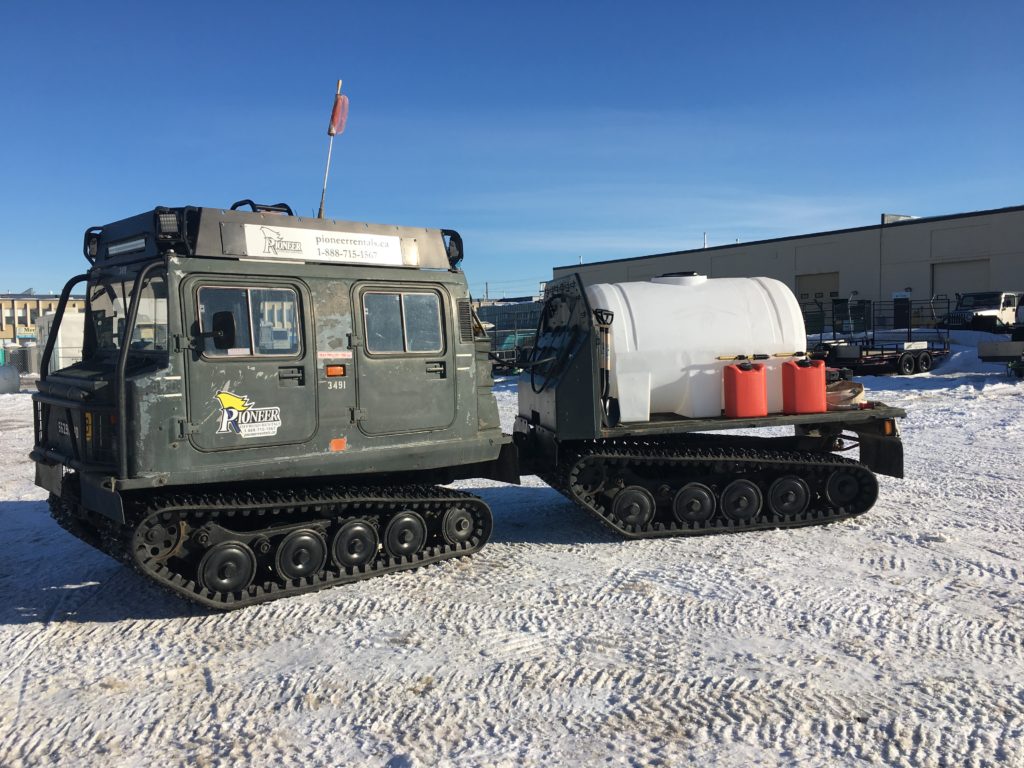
(953, 277)
(822, 285)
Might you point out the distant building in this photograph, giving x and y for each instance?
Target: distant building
(960, 253)
(19, 312)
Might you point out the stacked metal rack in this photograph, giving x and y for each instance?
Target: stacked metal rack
(902, 335)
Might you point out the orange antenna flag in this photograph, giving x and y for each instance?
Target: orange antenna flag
(339, 114)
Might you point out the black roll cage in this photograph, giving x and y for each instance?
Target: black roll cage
(120, 386)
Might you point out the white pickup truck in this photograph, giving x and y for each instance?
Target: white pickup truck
(992, 311)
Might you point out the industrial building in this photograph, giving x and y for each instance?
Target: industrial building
(938, 255)
(20, 311)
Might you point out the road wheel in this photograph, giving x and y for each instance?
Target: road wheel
(694, 503)
(842, 488)
(633, 505)
(301, 553)
(354, 544)
(457, 526)
(741, 500)
(924, 362)
(905, 364)
(405, 535)
(227, 567)
(788, 495)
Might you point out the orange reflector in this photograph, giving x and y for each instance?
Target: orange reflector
(339, 444)
(335, 370)
(890, 427)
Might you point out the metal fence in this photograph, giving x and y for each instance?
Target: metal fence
(24, 359)
(874, 323)
(512, 327)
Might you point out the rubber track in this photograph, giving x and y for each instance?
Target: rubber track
(313, 504)
(681, 463)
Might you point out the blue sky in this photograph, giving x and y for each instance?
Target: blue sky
(544, 132)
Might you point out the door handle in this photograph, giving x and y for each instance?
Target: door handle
(439, 367)
(291, 376)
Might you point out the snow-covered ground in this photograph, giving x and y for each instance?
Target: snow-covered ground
(895, 639)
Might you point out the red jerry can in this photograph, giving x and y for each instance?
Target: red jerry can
(746, 391)
(803, 387)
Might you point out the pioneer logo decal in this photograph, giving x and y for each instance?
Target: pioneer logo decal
(239, 414)
(275, 245)
(294, 244)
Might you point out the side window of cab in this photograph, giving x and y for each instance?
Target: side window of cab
(249, 321)
(403, 322)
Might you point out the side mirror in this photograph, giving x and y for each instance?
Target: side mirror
(223, 330)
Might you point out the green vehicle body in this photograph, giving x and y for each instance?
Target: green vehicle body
(264, 406)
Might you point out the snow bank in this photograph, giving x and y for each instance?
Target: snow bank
(895, 639)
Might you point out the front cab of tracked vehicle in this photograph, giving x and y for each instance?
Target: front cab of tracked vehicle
(229, 346)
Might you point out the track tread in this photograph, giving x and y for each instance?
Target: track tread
(326, 505)
(695, 462)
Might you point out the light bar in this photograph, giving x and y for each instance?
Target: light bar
(128, 246)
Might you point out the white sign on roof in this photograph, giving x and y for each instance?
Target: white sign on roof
(272, 242)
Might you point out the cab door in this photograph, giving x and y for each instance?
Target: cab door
(405, 359)
(251, 380)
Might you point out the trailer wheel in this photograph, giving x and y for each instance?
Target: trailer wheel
(694, 503)
(789, 495)
(741, 500)
(924, 362)
(905, 364)
(634, 505)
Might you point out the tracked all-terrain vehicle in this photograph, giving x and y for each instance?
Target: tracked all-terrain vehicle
(269, 404)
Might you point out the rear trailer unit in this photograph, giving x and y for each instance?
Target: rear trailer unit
(673, 476)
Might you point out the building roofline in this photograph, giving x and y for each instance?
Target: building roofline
(39, 296)
(868, 228)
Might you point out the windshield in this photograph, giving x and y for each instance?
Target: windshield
(108, 307)
(979, 301)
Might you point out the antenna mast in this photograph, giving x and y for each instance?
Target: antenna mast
(339, 114)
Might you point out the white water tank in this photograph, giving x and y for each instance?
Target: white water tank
(667, 336)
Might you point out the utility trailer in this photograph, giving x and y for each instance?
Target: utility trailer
(901, 336)
(1010, 352)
